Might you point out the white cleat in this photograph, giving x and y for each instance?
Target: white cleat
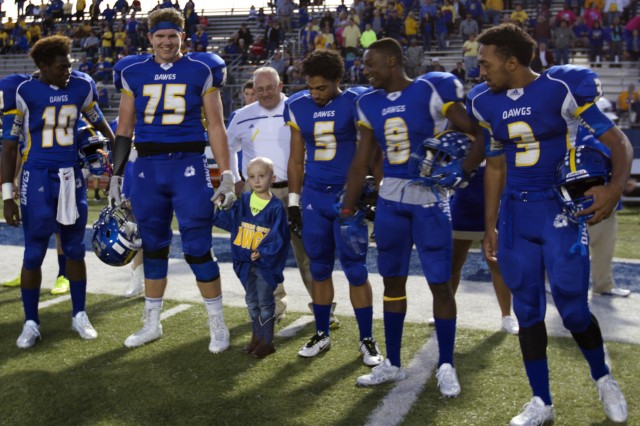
(136, 284)
(382, 373)
(30, 333)
(448, 381)
(535, 414)
(371, 355)
(510, 325)
(219, 334)
(81, 324)
(150, 331)
(319, 342)
(615, 406)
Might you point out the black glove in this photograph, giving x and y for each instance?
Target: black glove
(295, 220)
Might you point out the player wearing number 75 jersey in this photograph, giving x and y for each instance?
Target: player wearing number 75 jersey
(163, 97)
(533, 119)
(397, 115)
(52, 194)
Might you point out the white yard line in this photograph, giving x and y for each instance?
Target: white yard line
(394, 407)
(55, 301)
(293, 328)
(175, 310)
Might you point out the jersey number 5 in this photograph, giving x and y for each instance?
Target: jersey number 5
(326, 143)
(173, 100)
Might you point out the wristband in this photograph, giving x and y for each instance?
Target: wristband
(346, 211)
(7, 191)
(294, 199)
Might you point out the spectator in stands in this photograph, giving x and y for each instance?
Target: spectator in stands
(94, 11)
(119, 41)
(441, 23)
(542, 30)
(262, 18)
(29, 10)
(563, 39)
(279, 64)
(81, 5)
(377, 22)
(368, 36)
(327, 19)
(632, 50)
(284, 12)
(190, 18)
(448, 12)
(132, 31)
(581, 31)
(307, 38)
(203, 20)
(121, 6)
(104, 70)
(107, 41)
(467, 27)
(381, 5)
(136, 6)
(258, 50)
(200, 40)
(629, 102)
(616, 32)
(592, 14)
(475, 8)
(435, 66)
(543, 58)
(20, 6)
(103, 96)
(166, 4)
(394, 26)
(493, 10)
(519, 15)
(565, 14)
(411, 26)
(67, 11)
(427, 6)
(459, 72)
(252, 17)
(245, 33)
(414, 55)
(325, 39)
(612, 9)
(20, 44)
(459, 12)
(86, 66)
(109, 15)
(91, 45)
(229, 52)
(596, 43)
(143, 30)
(470, 54)
(351, 37)
(4, 42)
(427, 26)
(35, 32)
(354, 74)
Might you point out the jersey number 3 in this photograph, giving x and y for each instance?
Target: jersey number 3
(521, 133)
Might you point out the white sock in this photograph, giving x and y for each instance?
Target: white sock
(153, 303)
(214, 306)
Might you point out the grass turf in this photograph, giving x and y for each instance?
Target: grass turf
(64, 380)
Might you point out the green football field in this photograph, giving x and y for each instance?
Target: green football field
(176, 381)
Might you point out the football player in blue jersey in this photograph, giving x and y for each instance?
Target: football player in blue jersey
(533, 119)
(397, 115)
(163, 96)
(324, 132)
(52, 193)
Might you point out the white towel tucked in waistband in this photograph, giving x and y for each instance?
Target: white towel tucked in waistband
(67, 209)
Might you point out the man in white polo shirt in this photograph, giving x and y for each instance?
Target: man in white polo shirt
(259, 130)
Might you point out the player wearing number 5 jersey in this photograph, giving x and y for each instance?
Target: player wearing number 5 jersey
(323, 123)
(163, 98)
(52, 193)
(533, 120)
(397, 115)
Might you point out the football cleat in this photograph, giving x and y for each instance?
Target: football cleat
(30, 333)
(510, 325)
(150, 331)
(81, 324)
(219, 334)
(116, 239)
(382, 373)
(12, 283)
(535, 413)
(615, 406)
(136, 284)
(448, 381)
(371, 355)
(319, 342)
(61, 286)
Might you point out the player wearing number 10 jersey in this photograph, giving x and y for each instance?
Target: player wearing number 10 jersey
(52, 193)
(533, 119)
(397, 115)
(323, 122)
(163, 98)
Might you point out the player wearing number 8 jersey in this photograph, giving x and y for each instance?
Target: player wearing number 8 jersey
(52, 193)
(397, 115)
(163, 97)
(533, 120)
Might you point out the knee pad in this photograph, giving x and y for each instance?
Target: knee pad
(528, 314)
(196, 240)
(356, 273)
(34, 253)
(320, 272)
(533, 342)
(156, 264)
(575, 315)
(591, 338)
(204, 267)
(74, 252)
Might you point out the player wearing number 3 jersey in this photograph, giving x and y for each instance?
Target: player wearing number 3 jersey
(163, 97)
(397, 115)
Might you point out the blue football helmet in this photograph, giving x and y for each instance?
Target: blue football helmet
(437, 152)
(116, 239)
(582, 168)
(93, 150)
(367, 202)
